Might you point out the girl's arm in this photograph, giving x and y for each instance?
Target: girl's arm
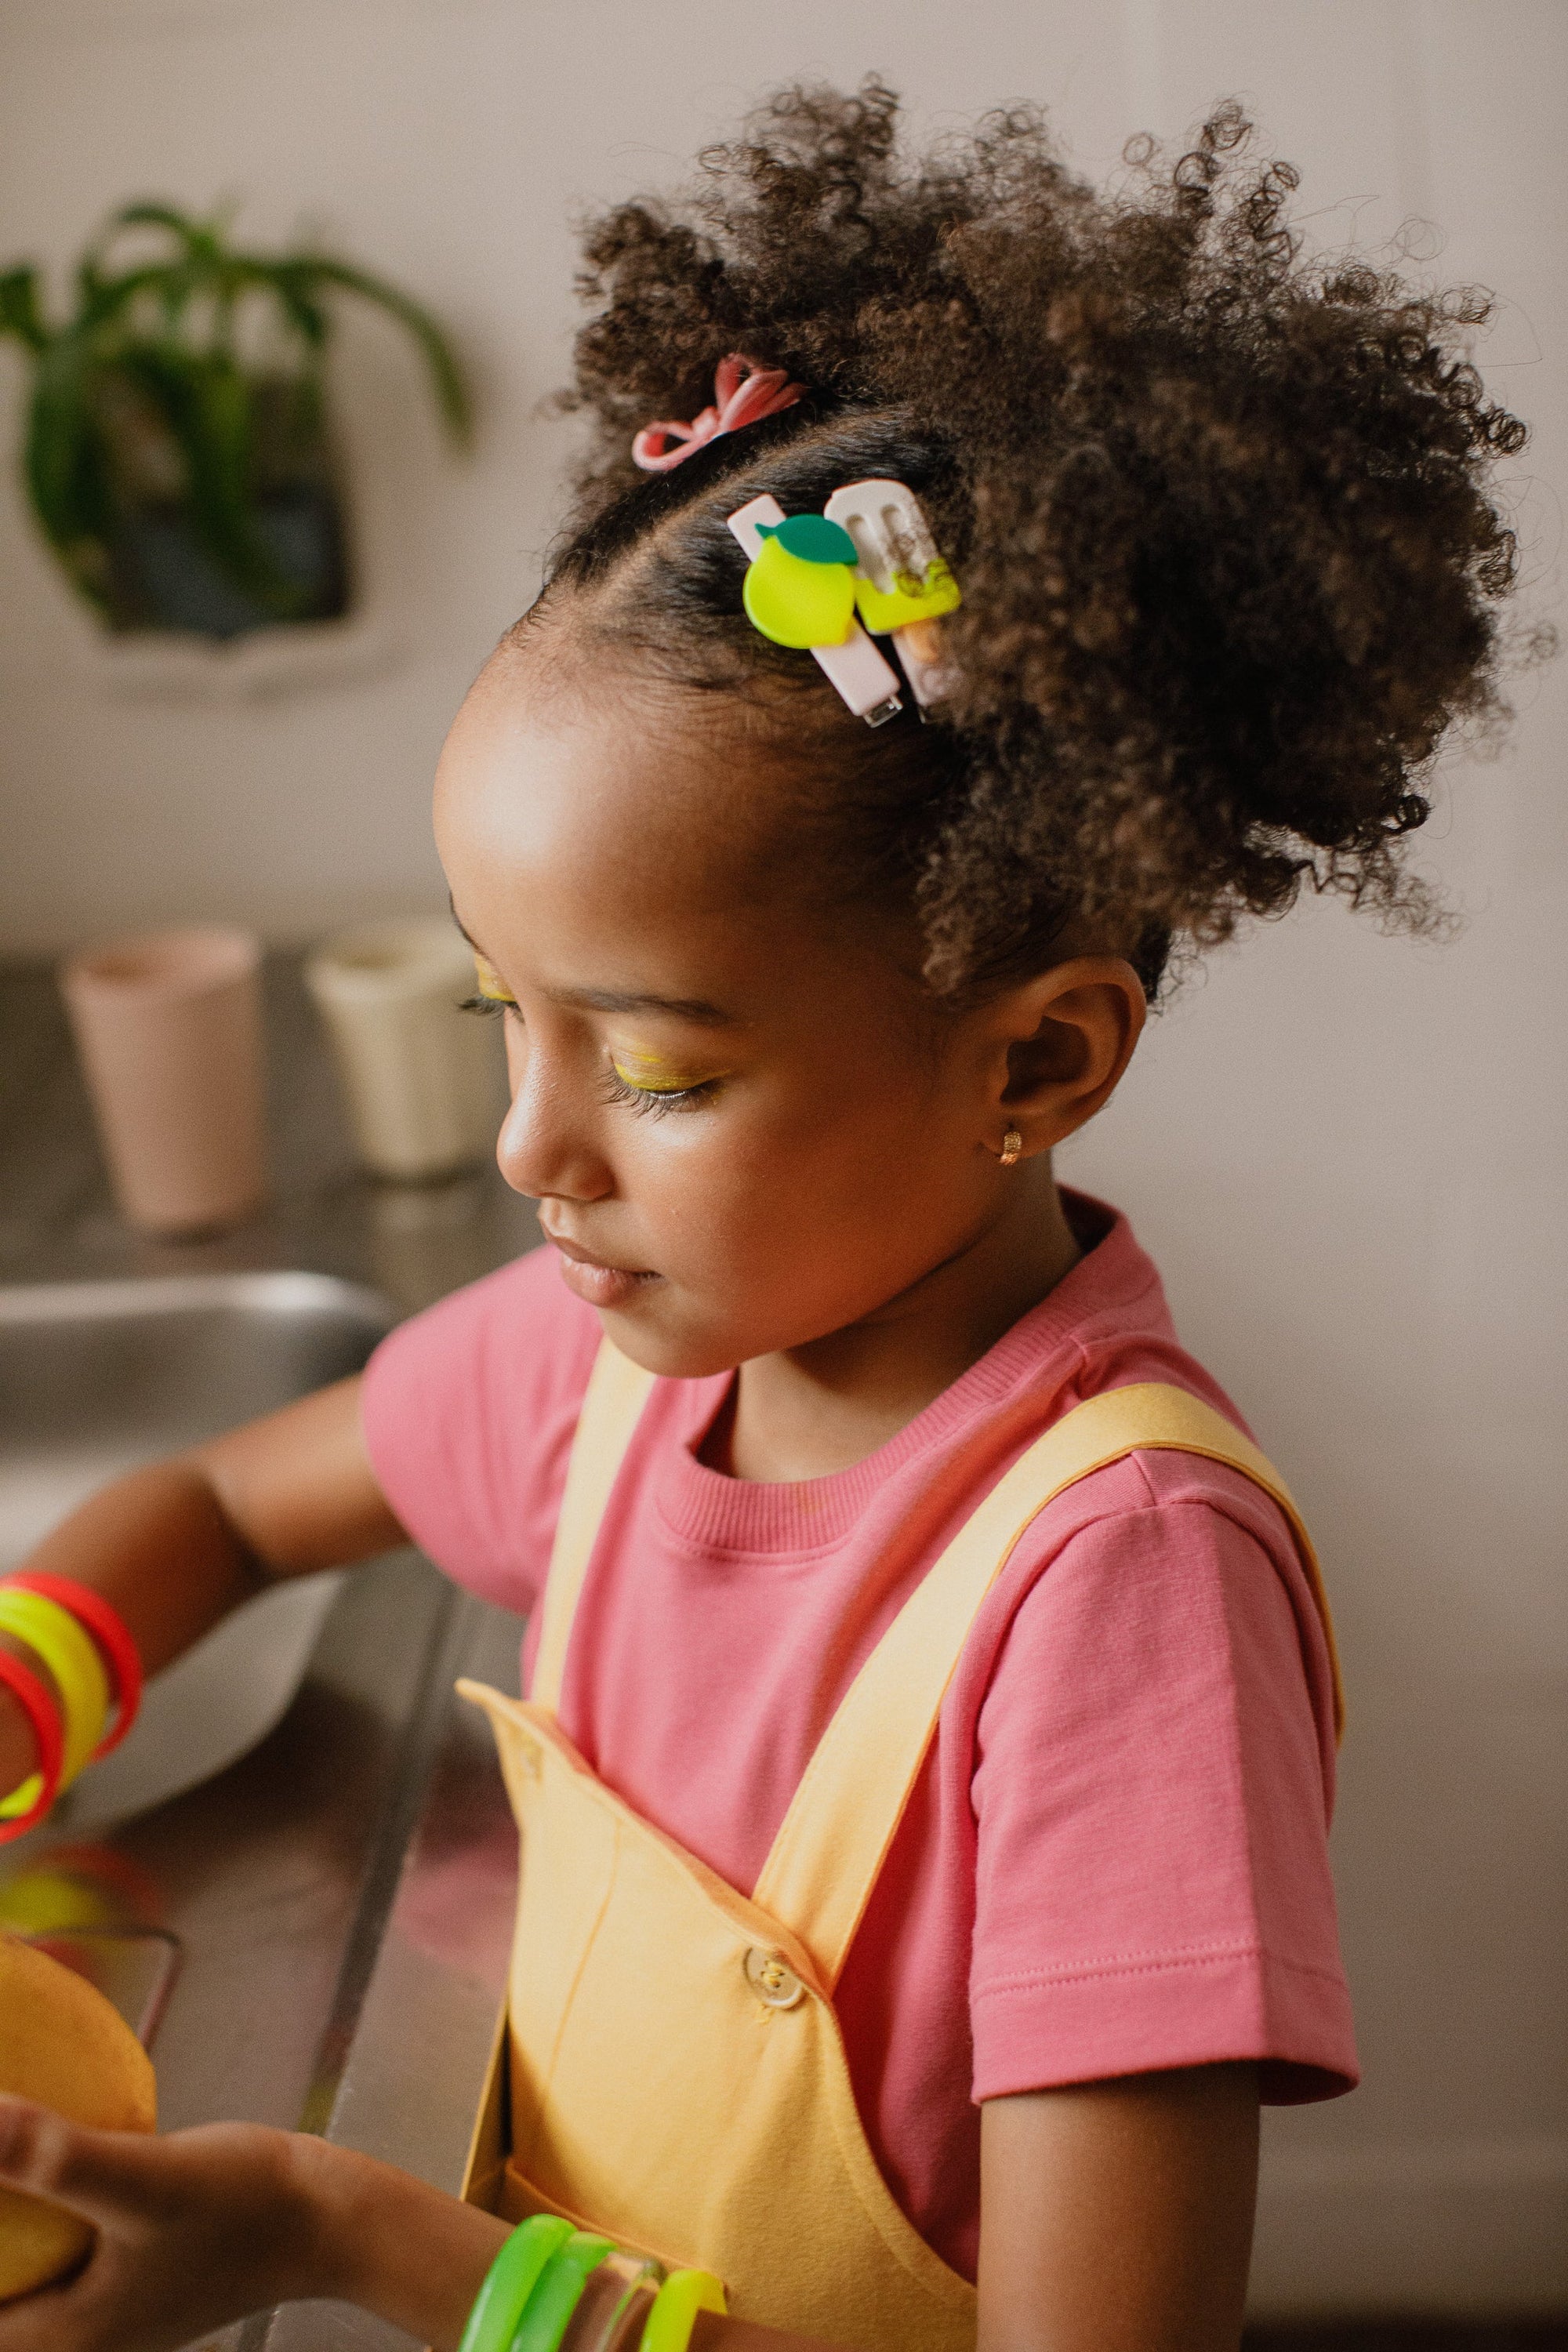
(1117, 2217)
(200, 2228)
(176, 1546)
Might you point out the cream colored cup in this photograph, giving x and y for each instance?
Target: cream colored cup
(168, 1025)
(423, 1081)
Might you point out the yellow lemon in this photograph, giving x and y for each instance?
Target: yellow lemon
(796, 600)
(63, 2045)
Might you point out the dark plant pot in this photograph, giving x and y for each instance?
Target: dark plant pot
(165, 578)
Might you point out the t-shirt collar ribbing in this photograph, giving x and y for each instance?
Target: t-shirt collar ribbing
(1038, 1353)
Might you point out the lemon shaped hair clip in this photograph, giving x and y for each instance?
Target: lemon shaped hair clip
(863, 678)
(800, 587)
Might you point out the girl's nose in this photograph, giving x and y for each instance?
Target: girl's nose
(543, 1150)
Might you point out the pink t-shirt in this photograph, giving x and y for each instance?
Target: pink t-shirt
(1116, 1857)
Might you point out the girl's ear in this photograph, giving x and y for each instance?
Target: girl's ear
(1065, 1039)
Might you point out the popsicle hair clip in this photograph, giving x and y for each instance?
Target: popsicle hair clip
(828, 583)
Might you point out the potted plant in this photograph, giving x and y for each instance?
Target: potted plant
(177, 453)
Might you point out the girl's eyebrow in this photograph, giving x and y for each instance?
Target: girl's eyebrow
(616, 1000)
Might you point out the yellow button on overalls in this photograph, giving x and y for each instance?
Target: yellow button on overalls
(677, 2077)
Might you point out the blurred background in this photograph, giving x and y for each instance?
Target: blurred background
(1345, 1152)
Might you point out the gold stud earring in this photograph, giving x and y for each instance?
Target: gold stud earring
(1012, 1144)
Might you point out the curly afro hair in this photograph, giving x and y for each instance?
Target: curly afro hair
(1225, 524)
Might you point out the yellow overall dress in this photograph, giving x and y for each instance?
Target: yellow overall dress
(676, 2078)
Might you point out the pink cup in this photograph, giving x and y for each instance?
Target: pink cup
(168, 1025)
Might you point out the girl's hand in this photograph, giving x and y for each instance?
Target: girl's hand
(194, 2231)
(203, 2227)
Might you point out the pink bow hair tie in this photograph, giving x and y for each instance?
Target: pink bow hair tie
(742, 394)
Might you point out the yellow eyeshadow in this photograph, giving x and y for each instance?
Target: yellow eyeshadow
(491, 983)
(655, 1073)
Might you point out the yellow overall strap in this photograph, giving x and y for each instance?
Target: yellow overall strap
(612, 1406)
(818, 1877)
(830, 1847)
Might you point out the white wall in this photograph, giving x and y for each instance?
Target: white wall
(1346, 1151)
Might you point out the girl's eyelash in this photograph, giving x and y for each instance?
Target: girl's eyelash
(616, 1089)
(655, 1106)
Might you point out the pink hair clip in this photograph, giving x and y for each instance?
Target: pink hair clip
(743, 392)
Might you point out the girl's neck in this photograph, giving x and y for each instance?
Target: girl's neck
(815, 1409)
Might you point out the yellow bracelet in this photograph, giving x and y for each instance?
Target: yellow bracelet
(72, 1658)
(674, 2315)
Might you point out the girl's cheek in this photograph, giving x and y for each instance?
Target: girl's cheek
(732, 1194)
(680, 1166)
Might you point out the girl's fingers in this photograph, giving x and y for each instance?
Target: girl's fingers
(103, 2176)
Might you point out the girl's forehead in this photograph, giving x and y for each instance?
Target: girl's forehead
(598, 793)
(584, 840)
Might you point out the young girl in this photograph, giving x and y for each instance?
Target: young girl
(930, 1751)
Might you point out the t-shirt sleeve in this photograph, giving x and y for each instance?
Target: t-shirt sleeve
(468, 1411)
(1152, 1810)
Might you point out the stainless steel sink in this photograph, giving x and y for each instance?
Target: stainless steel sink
(97, 1377)
(296, 1878)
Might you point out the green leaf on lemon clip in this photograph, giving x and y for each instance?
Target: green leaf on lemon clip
(812, 537)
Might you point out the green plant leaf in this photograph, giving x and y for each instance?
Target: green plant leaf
(113, 296)
(148, 214)
(200, 262)
(452, 391)
(93, 271)
(65, 469)
(19, 313)
(206, 402)
(285, 281)
(200, 242)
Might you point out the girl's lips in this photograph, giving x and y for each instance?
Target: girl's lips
(594, 1283)
(602, 1285)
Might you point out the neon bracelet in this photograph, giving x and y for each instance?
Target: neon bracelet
(617, 2298)
(71, 1656)
(109, 1629)
(548, 2311)
(625, 2333)
(674, 2315)
(26, 1806)
(510, 2281)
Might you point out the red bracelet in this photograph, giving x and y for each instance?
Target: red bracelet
(49, 1733)
(113, 1636)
